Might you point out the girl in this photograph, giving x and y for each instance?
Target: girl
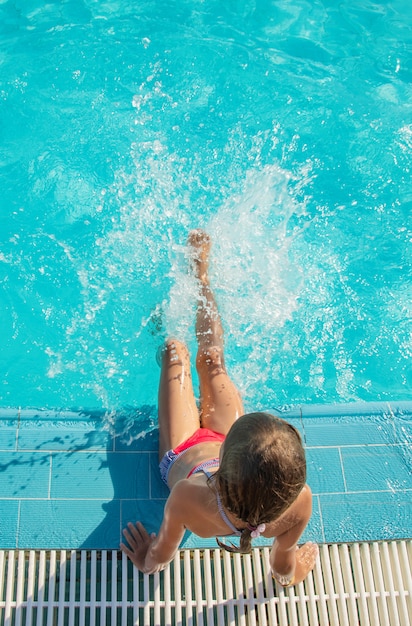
(228, 473)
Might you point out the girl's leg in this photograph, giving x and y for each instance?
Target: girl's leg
(178, 414)
(220, 402)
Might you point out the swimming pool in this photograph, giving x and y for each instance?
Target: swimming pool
(283, 128)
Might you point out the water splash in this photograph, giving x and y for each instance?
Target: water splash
(256, 283)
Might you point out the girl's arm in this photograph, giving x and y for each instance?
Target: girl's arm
(290, 564)
(149, 553)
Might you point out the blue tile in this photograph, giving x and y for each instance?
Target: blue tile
(130, 473)
(8, 435)
(193, 542)
(11, 414)
(369, 468)
(134, 440)
(324, 470)
(314, 530)
(100, 475)
(9, 515)
(402, 428)
(367, 516)
(149, 512)
(353, 432)
(62, 437)
(55, 524)
(24, 475)
(107, 534)
(136, 429)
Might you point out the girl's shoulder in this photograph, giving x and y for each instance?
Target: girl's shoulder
(190, 496)
(195, 487)
(299, 511)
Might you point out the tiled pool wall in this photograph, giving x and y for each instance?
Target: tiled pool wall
(74, 480)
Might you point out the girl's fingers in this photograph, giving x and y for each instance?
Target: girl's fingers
(130, 540)
(142, 530)
(138, 531)
(135, 535)
(135, 532)
(126, 550)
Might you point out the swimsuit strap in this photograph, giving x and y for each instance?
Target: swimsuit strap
(202, 467)
(225, 517)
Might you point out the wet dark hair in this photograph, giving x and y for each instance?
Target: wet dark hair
(262, 471)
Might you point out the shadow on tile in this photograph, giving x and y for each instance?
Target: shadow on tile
(129, 469)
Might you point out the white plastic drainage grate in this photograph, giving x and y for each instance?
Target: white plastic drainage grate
(366, 584)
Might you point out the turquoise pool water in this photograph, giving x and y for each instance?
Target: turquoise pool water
(284, 128)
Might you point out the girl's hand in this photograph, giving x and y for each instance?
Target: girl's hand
(139, 541)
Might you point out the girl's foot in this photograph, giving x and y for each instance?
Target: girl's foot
(168, 346)
(200, 244)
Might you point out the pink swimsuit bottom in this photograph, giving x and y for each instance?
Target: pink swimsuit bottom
(200, 436)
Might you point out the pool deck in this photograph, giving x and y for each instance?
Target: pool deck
(72, 480)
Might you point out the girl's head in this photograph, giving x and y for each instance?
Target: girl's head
(262, 470)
